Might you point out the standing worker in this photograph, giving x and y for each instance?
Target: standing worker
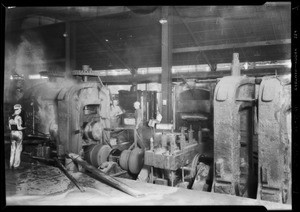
(138, 123)
(138, 115)
(115, 113)
(16, 137)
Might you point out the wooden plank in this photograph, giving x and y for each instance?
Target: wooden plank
(63, 169)
(232, 45)
(106, 178)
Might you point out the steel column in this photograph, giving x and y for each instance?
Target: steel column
(67, 49)
(235, 68)
(166, 60)
(73, 45)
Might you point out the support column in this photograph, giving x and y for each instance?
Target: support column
(235, 69)
(73, 45)
(67, 36)
(166, 63)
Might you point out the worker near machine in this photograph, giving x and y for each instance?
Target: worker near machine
(138, 114)
(19, 94)
(138, 123)
(115, 109)
(153, 122)
(16, 136)
(115, 112)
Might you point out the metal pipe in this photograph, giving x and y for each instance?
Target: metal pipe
(69, 175)
(103, 176)
(100, 80)
(32, 118)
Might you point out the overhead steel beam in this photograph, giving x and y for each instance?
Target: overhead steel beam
(148, 78)
(232, 45)
(44, 62)
(65, 13)
(195, 40)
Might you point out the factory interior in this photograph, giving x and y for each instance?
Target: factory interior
(148, 105)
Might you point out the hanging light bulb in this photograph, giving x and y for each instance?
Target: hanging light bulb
(246, 65)
(163, 21)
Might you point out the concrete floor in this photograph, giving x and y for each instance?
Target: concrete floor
(46, 185)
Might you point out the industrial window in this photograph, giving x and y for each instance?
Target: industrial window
(195, 94)
(90, 109)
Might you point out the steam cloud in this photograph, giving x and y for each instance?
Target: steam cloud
(27, 58)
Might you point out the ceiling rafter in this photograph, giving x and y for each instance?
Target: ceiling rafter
(195, 40)
(109, 48)
(232, 45)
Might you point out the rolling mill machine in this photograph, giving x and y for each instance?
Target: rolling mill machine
(132, 159)
(247, 151)
(252, 137)
(73, 115)
(234, 104)
(230, 136)
(274, 140)
(183, 150)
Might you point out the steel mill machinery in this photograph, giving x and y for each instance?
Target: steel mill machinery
(70, 116)
(147, 99)
(218, 127)
(132, 159)
(245, 106)
(73, 115)
(274, 140)
(234, 104)
(193, 110)
(183, 150)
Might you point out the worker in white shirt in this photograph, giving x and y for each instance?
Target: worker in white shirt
(115, 112)
(16, 136)
(138, 115)
(115, 109)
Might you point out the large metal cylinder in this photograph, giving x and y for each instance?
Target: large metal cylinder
(124, 157)
(136, 161)
(93, 130)
(96, 154)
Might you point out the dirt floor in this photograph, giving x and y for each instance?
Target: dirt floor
(38, 184)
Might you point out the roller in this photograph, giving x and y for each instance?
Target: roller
(124, 159)
(136, 161)
(96, 154)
